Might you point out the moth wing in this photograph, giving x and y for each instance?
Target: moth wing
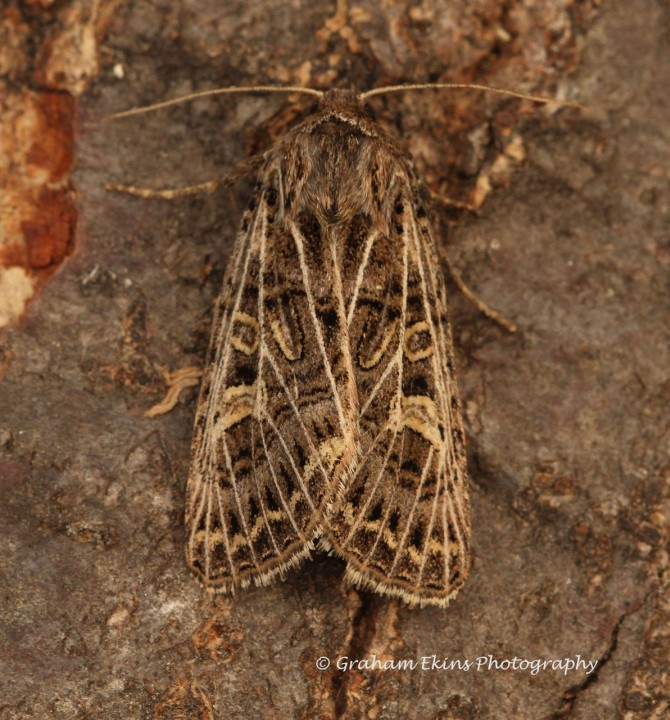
(403, 520)
(263, 453)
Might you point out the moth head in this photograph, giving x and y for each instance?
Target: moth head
(343, 101)
(344, 105)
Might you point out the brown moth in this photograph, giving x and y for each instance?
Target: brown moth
(329, 414)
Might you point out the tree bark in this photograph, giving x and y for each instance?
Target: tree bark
(567, 419)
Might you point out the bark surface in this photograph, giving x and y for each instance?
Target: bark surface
(567, 420)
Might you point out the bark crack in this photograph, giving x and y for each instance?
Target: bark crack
(363, 629)
(572, 693)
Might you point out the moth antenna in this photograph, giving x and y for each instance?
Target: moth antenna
(466, 86)
(210, 93)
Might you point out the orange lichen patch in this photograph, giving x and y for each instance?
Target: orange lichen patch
(37, 211)
(13, 255)
(53, 140)
(49, 234)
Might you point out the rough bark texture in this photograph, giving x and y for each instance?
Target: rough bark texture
(567, 420)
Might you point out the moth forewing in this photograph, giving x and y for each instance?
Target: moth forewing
(403, 522)
(329, 409)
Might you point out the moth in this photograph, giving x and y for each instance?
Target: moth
(329, 414)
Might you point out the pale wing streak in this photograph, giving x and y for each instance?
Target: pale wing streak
(373, 490)
(280, 182)
(219, 372)
(399, 400)
(202, 501)
(437, 369)
(290, 459)
(429, 531)
(401, 365)
(396, 359)
(461, 517)
(439, 376)
(317, 327)
(224, 530)
(238, 256)
(458, 518)
(233, 479)
(361, 272)
(408, 524)
(389, 502)
(403, 316)
(448, 445)
(259, 384)
(455, 515)
(262, 355)
(446, 510)
(265, 352)
(224, 441)
(218, 379)
(346, 344)
(259, 216)
(259, 495)
(205, 507)
(274, 478)
(450, 514)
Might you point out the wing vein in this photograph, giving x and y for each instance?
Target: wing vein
(360, 275)
(297, 236)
